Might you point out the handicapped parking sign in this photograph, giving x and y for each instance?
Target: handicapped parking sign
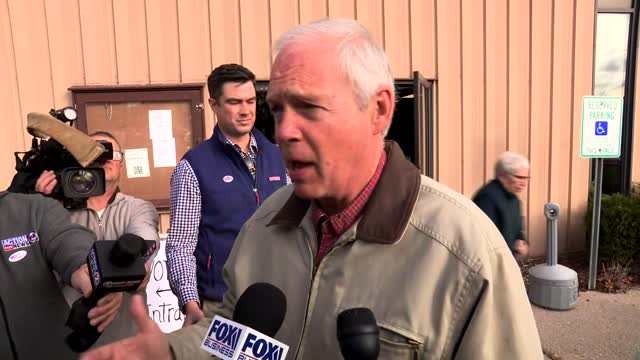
(601, 128)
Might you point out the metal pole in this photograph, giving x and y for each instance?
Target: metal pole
(595, 225)
(552, 242)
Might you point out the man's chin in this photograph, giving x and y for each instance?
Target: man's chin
(244, 127)
(305, 191)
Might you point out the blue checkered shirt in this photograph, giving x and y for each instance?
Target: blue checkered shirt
(184, 221)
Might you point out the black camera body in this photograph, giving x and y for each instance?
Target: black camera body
(75, 183)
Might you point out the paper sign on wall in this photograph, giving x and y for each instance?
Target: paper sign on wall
(160, 124)
(164, 152)
(137, 161)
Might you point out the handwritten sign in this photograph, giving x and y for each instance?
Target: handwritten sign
(162, 303)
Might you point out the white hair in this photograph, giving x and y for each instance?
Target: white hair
(510, 162)
(362, 61)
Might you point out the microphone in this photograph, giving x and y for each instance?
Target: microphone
(358, 334)
(114, 266)
(257, 317)
(250, 308)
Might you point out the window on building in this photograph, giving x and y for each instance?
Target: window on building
(614, 75)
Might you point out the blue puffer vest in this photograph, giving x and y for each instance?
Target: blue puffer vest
(229, 197)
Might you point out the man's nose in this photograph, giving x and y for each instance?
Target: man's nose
(245, 108)
(287, 127)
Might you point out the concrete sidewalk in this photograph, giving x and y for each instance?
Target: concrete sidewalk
(602, 326)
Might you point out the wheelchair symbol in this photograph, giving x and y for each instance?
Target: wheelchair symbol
(601, 128)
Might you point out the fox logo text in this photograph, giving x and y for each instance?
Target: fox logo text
(258, 346)
(229, 340)
(223, 338)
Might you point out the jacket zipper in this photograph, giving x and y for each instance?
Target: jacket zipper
(306, 313)
(416, 348)
(313, 277)
(100, 234)
(100, 227)
(255, 186)
(255, 178)
(6, 325)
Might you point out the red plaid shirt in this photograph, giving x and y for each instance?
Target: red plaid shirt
(330, 228)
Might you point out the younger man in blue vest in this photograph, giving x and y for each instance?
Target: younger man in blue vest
(215, 188)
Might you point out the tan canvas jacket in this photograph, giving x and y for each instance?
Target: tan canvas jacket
(432, 267)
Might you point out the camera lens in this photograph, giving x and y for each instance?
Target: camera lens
(82, 182)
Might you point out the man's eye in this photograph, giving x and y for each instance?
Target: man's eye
(275, 108)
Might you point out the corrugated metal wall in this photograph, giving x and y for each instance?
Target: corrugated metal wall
(510, 73)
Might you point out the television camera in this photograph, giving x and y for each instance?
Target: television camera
(75, 158)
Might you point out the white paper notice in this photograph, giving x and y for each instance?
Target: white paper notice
(164, 308)
(164, 152)
(160, 126)
(137, 161)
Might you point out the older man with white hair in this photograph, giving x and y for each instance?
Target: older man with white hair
(360, 227)
(499, 200)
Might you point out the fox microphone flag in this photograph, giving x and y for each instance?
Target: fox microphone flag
(230, 340)
(249, 335)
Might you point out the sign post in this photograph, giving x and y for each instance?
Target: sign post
(600, 138)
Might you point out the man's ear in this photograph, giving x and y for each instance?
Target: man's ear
(383, 112)
(212, 102)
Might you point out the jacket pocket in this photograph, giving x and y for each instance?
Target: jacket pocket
(398, 345)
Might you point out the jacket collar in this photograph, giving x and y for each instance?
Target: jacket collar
(508, 194)
(389, 209)
(113, 197)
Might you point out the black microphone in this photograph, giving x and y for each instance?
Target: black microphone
(261, 307)
(358, 334)
(114, 266)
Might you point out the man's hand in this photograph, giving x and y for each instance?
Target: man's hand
(521, 247)
(46, 182)
(193, 314)
(105, 310)
(149, 343)
(145, 281)
(81, 280)
(107, 307)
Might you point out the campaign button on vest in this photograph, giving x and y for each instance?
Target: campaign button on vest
(18, 255)
(227, 178)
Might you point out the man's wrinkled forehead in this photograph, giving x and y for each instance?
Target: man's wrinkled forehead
(295, 75)
(290, 92)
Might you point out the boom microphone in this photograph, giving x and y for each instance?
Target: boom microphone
(83, 148)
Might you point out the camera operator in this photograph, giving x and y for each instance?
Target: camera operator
(110, 216)
(37, 237)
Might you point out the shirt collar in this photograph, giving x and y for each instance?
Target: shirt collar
(389, 209)
(343, 220)
(253, 146)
